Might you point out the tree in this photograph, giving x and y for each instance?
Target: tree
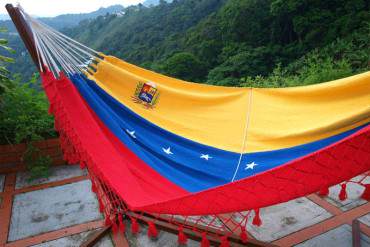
(186, 66)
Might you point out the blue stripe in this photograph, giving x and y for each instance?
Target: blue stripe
(184, 167)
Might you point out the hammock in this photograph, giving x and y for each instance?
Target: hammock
(194, 154)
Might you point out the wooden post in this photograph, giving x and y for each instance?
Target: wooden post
(356, 233)
(24, 31)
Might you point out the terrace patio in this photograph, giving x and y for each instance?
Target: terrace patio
(63, 211)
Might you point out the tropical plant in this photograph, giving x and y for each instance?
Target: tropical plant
(23, 113)
(4, 73)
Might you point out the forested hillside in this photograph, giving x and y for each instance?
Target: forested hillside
(238, 42)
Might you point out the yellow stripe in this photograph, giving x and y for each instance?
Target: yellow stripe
(292, 116)
(216, 116)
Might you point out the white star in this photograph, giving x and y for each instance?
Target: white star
(205, 156)
(250, 166)
(131, 133)
(167, 151)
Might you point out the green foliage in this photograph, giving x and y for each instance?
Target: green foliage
(146, 34)
(23, 116)
(184, 65)
(313, 69)
(238, 61)
(37, 163)
(235, 39)
(4, 73)
(23, 113)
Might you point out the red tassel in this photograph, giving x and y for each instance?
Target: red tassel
(324, 192)
(114, 227)
(101, 205)
(182, 238)
(93, 187)
(343, 192)
(152, 230)
(224, 242)
(366, 194)
(108, 222)
(134, 226)
(243, 235)
(205, 241)
(257, 220)
(51, 109)
(121, 224)
(82, 165)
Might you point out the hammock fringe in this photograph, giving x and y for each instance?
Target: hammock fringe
(135, 228)
(324, 192)
(152, 230)
(366, 194)
(182, 239)
(343, 192)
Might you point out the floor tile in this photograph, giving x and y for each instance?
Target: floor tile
(365, 219)
(51, 209)
(354, 191)
(338, 237)
(285, 218)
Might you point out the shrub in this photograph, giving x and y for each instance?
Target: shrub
(37, 163)
(310, 70)
(23, 113)
(184, 65)
(24, 118)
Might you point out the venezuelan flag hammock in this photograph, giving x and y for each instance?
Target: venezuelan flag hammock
(176, 150)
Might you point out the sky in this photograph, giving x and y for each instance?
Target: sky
(47, 8)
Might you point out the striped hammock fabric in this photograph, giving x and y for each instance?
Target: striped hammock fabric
(187, 142)
(162, 146)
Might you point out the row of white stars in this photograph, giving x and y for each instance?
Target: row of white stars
(202, 156)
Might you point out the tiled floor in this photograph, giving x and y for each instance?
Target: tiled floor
(365, 219)
(354, 191)
(338, 237)
(51, 209)
(286, 218)
(62, 211)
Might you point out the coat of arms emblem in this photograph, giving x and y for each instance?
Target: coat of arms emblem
(146, 94)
